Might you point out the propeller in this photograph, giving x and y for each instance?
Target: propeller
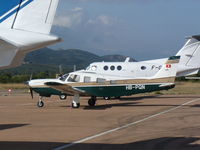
(30, 88)
(31, 91)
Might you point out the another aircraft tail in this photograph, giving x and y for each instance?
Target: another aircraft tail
(25, 26)
(28, 15)
(190, 56)
(169, 70)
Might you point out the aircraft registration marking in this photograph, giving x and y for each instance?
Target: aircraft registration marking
(136, 87)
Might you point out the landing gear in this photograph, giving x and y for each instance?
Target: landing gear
(106, 98)
(63, 97)
(117, 97)
(76, 101)
(92, 101)
(40, 103)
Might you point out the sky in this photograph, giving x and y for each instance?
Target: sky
(142, 29)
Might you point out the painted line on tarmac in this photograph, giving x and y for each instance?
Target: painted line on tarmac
(124, 126)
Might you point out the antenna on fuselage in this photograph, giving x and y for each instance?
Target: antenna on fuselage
(74, 68)
(127, 60)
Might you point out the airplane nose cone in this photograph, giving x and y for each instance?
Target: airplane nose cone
(27, 82)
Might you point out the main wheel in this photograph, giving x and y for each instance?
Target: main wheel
(117, 97)
(40, 104)
(91, 102)
(63, 97)
(106, 98)
(75, 105)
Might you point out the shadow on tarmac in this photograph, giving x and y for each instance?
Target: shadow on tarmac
(106, 106)
(166, 143)
(10, 126)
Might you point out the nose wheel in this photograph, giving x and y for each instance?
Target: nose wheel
(75, 105)
(40, 103)
(76, 101)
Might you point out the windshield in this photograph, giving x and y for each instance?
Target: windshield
(73, 78)
(64, 77)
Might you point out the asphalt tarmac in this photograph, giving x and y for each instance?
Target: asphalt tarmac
(156, 122)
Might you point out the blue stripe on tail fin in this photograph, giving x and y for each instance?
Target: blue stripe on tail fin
(10, 7)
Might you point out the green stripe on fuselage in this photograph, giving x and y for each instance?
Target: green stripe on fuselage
(46, 91)
(122, 90)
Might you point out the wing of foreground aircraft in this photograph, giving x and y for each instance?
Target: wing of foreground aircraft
(68, 89)
(25, 26)
(163, 80)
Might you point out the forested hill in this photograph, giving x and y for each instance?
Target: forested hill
(48, 60)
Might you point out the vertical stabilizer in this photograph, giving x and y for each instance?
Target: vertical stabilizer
(28, 15)
(190, 53)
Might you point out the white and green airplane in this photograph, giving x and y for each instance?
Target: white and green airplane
(84, 83)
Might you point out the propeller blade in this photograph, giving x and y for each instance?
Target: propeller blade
(31, 76)
(31, 91)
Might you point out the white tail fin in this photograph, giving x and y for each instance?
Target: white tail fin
(25, 26)
(169, 69)
(28, 15)
(190, 53)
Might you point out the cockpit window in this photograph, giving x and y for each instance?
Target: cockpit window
(94, 68)
(88, 68)
(64, 77)
(73, 78)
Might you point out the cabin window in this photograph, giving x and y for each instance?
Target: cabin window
(119, 68)
(105, 68)
(101, 80)
(113, 82)
(143, 68)
(112, 68)
(87, 79)
(74, 78)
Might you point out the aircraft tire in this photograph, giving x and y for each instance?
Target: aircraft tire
(91, 102)
(117, 97)
(40, 104)
(75, 105)
(106, 98)
(63, 97)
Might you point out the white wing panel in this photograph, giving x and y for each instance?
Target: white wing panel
(7, 53)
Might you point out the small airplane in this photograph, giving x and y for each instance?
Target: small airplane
(189, 63)
(24, 27)
(84, 83)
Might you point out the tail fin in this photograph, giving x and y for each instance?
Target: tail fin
(28, 15)
(25, 26)
(168, 70)
(190, 56)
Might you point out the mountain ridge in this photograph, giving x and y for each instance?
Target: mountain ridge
(48, 60)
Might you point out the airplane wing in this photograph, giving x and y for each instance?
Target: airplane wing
(64, 88)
